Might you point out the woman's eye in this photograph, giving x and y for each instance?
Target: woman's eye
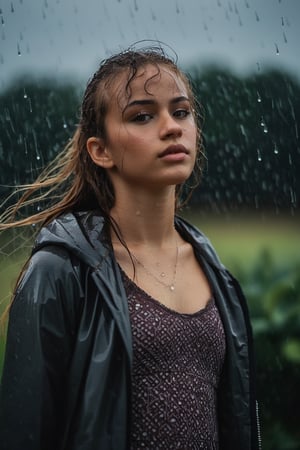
(142, 117)
(181, 113)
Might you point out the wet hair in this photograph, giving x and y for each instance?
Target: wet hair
(73, 181)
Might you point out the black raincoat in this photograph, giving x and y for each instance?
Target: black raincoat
(67, 372)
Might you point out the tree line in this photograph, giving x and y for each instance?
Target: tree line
(249, 127)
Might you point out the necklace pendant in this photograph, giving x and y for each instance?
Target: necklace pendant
(172, 287)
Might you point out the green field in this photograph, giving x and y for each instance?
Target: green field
(240, 239)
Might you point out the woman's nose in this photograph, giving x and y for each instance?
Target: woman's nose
(170, 127)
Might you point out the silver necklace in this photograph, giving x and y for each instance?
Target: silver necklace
(170, 286)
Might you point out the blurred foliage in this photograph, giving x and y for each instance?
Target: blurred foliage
(251, 139)
(273, 294)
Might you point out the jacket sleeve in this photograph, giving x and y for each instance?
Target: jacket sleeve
(42, 325)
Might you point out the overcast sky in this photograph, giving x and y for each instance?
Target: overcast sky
(70, 37)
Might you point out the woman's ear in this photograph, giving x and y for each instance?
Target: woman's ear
(99, 153)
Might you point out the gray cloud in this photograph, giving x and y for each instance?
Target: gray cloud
(69, 37)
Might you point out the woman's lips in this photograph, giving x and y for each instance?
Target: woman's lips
(174, 152)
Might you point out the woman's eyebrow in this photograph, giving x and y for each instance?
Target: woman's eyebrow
(154, 102)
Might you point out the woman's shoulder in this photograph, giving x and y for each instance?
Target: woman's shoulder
(81, 234)
(199, 241)
(48, 266)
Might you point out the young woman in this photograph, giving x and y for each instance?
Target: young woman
(125, 330)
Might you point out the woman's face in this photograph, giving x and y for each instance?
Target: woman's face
(151, 135)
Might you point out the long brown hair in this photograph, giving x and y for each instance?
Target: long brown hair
(72, 181)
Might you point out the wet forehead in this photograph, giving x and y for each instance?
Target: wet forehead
(148, 82)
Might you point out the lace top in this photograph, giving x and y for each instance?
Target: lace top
(177, 361)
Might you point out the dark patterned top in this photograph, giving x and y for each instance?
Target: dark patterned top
(177, 362)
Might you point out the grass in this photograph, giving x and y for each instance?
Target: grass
(240, 239)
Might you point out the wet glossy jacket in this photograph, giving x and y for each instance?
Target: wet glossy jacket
(67, 374)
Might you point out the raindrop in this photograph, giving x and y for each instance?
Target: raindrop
(247, 4)
(243, 130)
(258, 66)
(219, 3)
(38, 157)
(277, 49)
(276, 150)
(258, 97)
(259, 158)
(256, 16)
(19, 50)
(262, 123)
(65, 125)
(177, 8)
(48, 122)
(265, 129)
(293, 196)
(282, 21)
(284, 38)
(25, 95)
(2, 21)
(135, 5)
(12, 9)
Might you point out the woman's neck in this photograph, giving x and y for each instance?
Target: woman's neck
(146, 220)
